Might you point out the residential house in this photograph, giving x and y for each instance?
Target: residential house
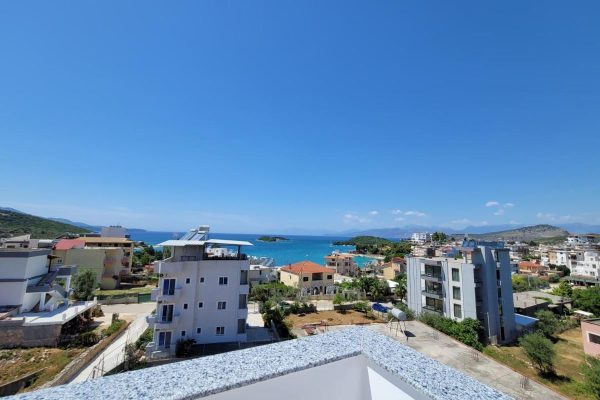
(309, 277)
(258, 274)
(590, 332)
(586, 263)
(531, 268)
(477, 286)
(420, 237)
(202, 292)
(343, 264)
(119, 242)
(391, 270)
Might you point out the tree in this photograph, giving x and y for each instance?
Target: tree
(591, 372)
(400, 290)
(439, 237)
(564, 269)
(84, 284)
(547, 324)
(564, 289)
(587, 299)
(540, 352)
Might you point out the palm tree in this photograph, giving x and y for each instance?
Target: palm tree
(400, 290)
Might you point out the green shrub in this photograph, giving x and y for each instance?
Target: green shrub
(114, 326)
(591, 371)
(540, 352)
(467, 331)
(143, 340)
(361, 306)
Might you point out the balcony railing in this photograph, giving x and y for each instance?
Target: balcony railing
(237, 257)
(431, 277)
(437, 294)
(433, 309)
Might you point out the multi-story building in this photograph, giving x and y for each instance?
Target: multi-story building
(586, 263)
(309, 277)
(343, 264)
(420, 237)
(117, 242)
(583, 239)
(202, 292)
(477, 286)
(258, 274)
(559, 257)
(116, 231)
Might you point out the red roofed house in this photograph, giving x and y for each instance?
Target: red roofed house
(309, 276)
(528, 267)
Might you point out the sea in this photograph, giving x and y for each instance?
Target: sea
(297, 248)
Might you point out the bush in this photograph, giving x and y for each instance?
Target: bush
(84, 284)
(591, 372)
(183, 347)
(548, 323)
(466, 331)
(143, 340)
(114, 326)
(540, 352)
(361, 306)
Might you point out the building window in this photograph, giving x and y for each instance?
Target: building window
(198, 330)
(202, 279)
(223, 280)
(455, 275)
(167, 313)
(185, 306)
(187, 281)
(243, 304)
(164, 340)
(305, 279)
(221, 305)
(200, 305)
(329, 276)
(457, 311)
(241, 326)
(182, 333)
(593, 338)
(456, 292)
(168, 287)
(220, 330)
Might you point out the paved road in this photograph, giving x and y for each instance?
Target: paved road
(455, 354)
(113, 355)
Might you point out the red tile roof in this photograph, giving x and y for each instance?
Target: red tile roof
(307, 267)
(68, 244)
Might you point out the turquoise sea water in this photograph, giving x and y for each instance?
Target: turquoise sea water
(298, 248)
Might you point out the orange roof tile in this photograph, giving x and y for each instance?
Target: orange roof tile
(306, 267)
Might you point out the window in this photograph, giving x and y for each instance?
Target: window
(241, 326)
(329, 276)
(456, 292)
(242, 302)
(182, 333)
(455, 275)
(305, 279)
(164, 340)
(187, 281)
(594, 338)
(198, 330)
(220, 330)
(167, 313)
(168, 287)
(223, 280)
(200, 304)
(202, 279)
(185, 306)
(457, 311)
(221, 305)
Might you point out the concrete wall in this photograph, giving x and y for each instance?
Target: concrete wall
(18, 269)
(14, 334)
(587, 328)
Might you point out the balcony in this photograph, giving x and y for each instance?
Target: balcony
(436, 294)
(162, 324)
(235, 257)
(157, 294)
(431, 277)
(151, 319)
(433, 309)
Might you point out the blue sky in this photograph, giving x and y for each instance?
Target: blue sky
(311, 116)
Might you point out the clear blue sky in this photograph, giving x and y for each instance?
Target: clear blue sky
(260, 116)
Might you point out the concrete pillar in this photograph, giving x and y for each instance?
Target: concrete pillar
(42, 301)
(68, 283)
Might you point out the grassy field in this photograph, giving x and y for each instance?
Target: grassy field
(124, 292)
(568, 362)
(15, 363)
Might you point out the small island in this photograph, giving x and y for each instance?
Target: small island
(272, 239)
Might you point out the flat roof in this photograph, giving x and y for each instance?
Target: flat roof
(594, 321)
(99, 239)
(180, 243)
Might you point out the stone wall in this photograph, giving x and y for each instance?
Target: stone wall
(14, 334)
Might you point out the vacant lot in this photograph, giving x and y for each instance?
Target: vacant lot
(15, 363)
(125, 292)
(568, 362)
(332, 318)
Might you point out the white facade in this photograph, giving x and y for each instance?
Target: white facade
(113, 231)
(258, 274)
(587, 263)
(478, 287)
(202, 295)
(420, 237)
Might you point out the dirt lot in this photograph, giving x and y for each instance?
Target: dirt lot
(15, 363)
(332, 318)
(569, 357)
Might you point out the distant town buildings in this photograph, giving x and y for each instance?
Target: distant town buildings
(202, 292)
(309, 277)
(477, 286)
(420, 237)
(343, 264)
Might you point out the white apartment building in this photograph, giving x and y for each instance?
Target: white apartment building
(583, 239)
(202, 292)
(586, 263)
(114, 231)
(420, 237)
(477, 286)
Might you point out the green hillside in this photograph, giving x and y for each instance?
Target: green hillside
(15, 223)
(545, 233)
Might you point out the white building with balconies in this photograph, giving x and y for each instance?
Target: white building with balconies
(477, 286)
(202, 292)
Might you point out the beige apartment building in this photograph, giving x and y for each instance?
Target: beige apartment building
(309, 277)
(118, 242)
(343, 264)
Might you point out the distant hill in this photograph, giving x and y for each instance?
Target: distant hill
(91, 228)
(526, 234)
(15, 223)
